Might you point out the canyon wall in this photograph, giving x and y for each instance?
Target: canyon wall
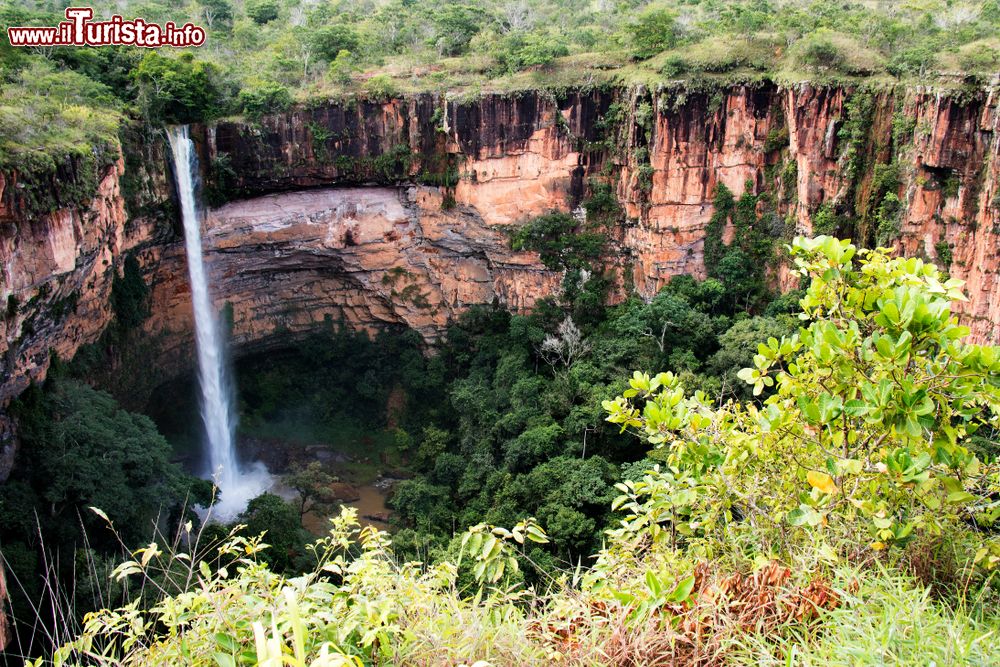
(397, 213)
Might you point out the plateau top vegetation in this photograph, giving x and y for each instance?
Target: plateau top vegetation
(262, 56)
(801, 523)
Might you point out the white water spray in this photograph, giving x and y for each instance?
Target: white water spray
(237, 484)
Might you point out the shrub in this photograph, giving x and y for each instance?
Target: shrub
(777, 138)
(280, 520)
(519, 51)
(885, 178)
(539, 49)
(741, 265)
(723, 53)
(262, 11)
(887, 219)
(341, 68)
(381, 87)
(674, 65)
(181, 89)
(602, 206)
(329, 41)
(950, 184)
(818, 49)
(979, 58)
(654, 30)
(264, 97)
(944, 253)
(825, 220)
(554, 236)
(912, 60)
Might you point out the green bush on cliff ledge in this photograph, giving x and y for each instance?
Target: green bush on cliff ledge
(58, 131)
(653, 31)
(181, 89)
(264, 97)
(554, 236)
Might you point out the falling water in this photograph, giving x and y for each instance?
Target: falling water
(237, 485)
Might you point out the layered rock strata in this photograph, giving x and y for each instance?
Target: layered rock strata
(397, 213)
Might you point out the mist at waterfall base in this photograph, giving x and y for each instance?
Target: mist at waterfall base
(237, 483)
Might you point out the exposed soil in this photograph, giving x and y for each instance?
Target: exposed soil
(395, 405)
(355, 489)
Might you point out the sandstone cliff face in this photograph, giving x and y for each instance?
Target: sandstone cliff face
(287, 263)
(694, 143)
(56, 280)
(397, 212)
(952, 199)
(56, 284)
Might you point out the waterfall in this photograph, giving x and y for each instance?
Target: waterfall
(236, 484)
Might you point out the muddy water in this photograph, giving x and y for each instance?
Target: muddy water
(370, 504)
(367, 485)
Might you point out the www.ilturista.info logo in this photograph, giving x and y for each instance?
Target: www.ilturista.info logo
(79, 30)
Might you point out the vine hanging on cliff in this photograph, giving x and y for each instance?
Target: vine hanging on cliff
(742, 264)
(723, 204)
(129, 296)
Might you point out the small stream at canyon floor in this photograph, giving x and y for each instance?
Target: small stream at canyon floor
(237, 483)
(361, 456)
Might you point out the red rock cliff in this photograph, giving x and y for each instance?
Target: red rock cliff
(396, 213)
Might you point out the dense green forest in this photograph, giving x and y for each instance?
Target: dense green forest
(815, 477)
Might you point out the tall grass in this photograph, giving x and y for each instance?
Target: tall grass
(73, 582)
(889, 620)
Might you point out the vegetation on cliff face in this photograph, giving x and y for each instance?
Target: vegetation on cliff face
(261, 56)
(741, 264)
(842, 511)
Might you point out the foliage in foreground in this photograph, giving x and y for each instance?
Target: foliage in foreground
(80, 448)
(839, 496)
(361, 606)
(865, 437)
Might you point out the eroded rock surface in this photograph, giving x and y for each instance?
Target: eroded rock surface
(398, 213)
(286, 263)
